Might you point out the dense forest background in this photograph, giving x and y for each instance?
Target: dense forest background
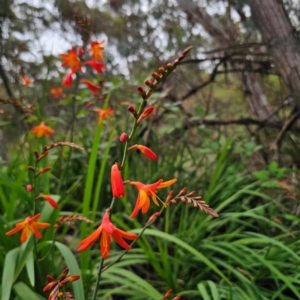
(226, 121)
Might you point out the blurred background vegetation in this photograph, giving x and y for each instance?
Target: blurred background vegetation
(226, 125)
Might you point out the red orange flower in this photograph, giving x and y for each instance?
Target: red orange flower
(41, 130)
(26, 80)
(145, 150)
(56, 92)
(98, 67)
(117, 185)
(103, 114)
(71, 59)
(107, 231)
(49, 199)
(96, 50)
(28, 225)
(146, 113)
(93, 87)
(146, 190)
(67, 82)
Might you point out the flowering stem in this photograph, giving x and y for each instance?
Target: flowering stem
(133, 242)
(98, 278)
(145, 96)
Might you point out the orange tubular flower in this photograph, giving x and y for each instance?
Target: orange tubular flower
(146, 151)
(106, 231)
(67, 82)
(29, 225)
(26, 80)
(96, 50)
(41, 130)
(103, 114)
(93, 87)
(98, 67)
(49, 199)
(117, 185)
(146, 190)
(71, 59)
(146, 113)
(56, 92)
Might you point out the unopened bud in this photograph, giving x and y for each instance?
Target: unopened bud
(177, 297)
(148, 82)
(36, 154)
(132, 109)
(64, 274)
(42, 155)
(31, 168)
(183, 199)
(29, 111)
(146, 113)
(169, 196)
(29, 188)
(44, 170)
(190, 194)
(161, 70)
(152, 218)
(89, 104)
(123, 137)
(167, 294)
(141, 91)
(173, 201)
(182, 192)
(80, 51)
(155, 75)
(169, 66)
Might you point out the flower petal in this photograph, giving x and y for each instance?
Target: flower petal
(91, 239)
(105, 244)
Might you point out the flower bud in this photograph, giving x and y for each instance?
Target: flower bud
(146, 113)
(149, 83)
(132, 109)
(29, 188)
(49, 199)
(117, 185)
(161, 70)
(155, 75)
(44, 170)
(173, 201)
(80, 51)
(31, 168)
(141, 91)
(123, 137)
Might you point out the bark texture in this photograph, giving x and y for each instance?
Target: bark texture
(282, 39)
(226, 38)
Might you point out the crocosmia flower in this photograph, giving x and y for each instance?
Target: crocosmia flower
(103, 114)
(26, 80)
(106, 232)
(56, 92)
(68, 81)
(49, 199)
(145, 150)
(145, 192)
(98, 67)
(27, 226)
(97, 49)
(71, 59)
(117, 185)
(41, 130)
(93, 87)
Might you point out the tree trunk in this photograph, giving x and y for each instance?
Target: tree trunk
(279, 34)
(257, 99)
